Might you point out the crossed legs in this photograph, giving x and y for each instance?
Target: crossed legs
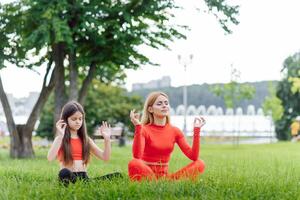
(138, 170)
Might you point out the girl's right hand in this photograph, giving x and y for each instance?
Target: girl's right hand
(135, 117)
(60, 128)
(105, 130)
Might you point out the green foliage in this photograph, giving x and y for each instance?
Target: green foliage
(46, 122)
(7, 46)
(105, 33)
(109, 103)
(228, 13)
(234, 92)
(273, 105)
(289, 97)
(103, 103)
(31, 29)
(102, 34)
(109, 33)
(295, 83)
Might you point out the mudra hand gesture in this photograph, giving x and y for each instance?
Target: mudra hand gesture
(199, 122)
(105, 130)
(135, 117)
(61, 127)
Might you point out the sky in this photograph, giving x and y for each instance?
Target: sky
(268, 33)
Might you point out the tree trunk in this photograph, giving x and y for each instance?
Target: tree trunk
(87, 81)
(43, 97)
(59, 73)
(15, 142)
(20, 144)
(73, 76)
(25, 131)
(25, 150)
(20, 135)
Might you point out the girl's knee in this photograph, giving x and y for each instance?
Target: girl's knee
(66, 176)
(64, 173)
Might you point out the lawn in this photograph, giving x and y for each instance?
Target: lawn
(269, 171)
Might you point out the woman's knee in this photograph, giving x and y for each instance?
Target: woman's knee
(200, 165)
(135, 163)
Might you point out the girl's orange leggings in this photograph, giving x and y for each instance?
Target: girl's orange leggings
(138, 171)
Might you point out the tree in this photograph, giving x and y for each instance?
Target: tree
(112, 105)
(101, 38)
(85, 40)
(103, 103)
(273, 105)
(288, 93)
(13, 51)
(233, 92)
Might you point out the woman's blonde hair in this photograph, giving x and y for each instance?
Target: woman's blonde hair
(147, 117)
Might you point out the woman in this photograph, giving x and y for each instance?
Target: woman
(154, 141)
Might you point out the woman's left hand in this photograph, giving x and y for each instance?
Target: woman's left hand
(199, 122)
(105, 130)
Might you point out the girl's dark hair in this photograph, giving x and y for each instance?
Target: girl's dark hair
(69, 109)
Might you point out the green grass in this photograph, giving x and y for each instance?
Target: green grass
(270, 171)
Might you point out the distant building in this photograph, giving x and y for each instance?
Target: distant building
(21, 109)
(165, 81)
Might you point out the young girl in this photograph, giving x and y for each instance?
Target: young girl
(72, 146)
(154, 141)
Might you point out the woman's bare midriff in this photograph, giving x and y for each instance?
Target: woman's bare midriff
(77, 166)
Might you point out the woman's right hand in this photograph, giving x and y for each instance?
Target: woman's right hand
(199, 122)
(60, 128)
(135, 118)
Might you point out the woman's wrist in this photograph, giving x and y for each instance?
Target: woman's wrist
(196, 130)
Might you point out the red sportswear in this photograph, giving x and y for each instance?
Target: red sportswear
(153, 143)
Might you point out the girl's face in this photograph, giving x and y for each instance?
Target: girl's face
(160, 108)
(75, 121)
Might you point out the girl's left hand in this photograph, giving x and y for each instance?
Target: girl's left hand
(105, 130)
(199, 122)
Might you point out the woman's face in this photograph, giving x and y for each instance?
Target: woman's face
(75, 121)
(160, 108)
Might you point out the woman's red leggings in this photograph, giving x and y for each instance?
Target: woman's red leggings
(138, 170)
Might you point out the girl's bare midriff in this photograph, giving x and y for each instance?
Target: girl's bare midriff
(77, 166)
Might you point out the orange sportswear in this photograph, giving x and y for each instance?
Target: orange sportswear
(76, 150)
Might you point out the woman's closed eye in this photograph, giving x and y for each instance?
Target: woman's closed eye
(160, 103)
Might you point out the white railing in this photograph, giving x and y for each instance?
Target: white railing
(224, 125)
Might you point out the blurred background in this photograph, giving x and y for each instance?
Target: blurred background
(235, 63)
